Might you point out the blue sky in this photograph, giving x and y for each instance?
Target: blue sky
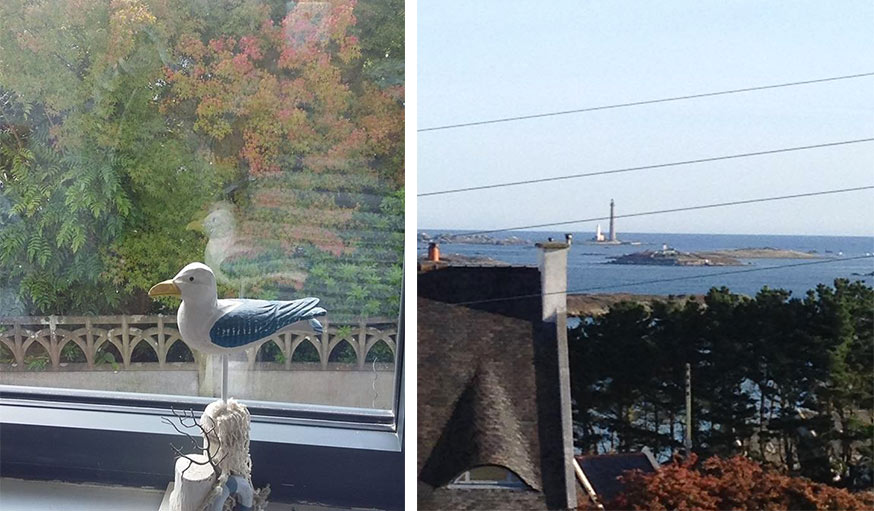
(490, 59)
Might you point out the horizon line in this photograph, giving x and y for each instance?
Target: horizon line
(497, 235)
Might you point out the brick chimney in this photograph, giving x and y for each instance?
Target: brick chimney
(433, 252)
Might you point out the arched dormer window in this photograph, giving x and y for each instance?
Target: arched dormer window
(488, 477)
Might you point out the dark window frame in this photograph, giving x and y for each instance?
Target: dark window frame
(510, 482)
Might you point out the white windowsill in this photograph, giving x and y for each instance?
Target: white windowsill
(324, 436)
(23, 495)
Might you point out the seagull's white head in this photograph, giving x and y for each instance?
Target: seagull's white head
(195, 284)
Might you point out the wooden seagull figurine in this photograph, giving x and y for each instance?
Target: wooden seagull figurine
(215, 326)
(226, 326)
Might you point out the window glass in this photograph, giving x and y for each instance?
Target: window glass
(491, 476)
(263, 138)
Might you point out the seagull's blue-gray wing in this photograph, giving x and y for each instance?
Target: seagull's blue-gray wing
(256, 319)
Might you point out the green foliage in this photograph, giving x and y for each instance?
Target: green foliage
(354, 265)
(6, 356)
(56, 211)
(279, 358)
(380, 353)
(305, 352)
(380, 29)
(71, 352)
(366, 281)
(36, 358)
(106, 357)
(270, 352)
(36, 363)
(786, 380)
(79, 136)
(343, 353)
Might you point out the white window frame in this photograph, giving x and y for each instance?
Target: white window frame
(511, 481)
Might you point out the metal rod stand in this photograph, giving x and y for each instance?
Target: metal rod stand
(225, 378)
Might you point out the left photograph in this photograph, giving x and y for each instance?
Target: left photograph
(201, 254)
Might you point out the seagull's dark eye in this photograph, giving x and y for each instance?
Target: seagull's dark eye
(191, 279)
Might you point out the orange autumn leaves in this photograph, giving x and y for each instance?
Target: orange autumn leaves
(284, 91)
(733, 483)
(289, 98)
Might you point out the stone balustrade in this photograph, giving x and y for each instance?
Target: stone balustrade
(159, 333)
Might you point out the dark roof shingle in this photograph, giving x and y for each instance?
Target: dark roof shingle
(487, 386)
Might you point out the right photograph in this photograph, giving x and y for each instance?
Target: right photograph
(645, 256)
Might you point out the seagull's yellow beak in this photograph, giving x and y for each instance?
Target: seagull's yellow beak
(166, 288)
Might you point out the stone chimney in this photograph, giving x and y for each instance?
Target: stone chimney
(553, 289)
(553, 278)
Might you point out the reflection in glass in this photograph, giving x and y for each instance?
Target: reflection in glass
(263, 138)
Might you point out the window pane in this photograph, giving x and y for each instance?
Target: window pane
(488, 476)
(489, 473)
(262, 138)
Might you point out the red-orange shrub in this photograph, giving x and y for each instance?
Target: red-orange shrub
(737, 483)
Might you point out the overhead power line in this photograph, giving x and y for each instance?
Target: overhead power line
(648, 167)
(664, 280)
(645, 102)
(673, 210)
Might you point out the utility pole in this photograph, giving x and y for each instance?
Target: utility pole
(687, 441)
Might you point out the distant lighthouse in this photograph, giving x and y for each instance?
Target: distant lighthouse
(612, 227)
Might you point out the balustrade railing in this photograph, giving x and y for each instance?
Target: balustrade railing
(159, 333)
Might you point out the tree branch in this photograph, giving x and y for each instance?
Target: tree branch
(206, 434)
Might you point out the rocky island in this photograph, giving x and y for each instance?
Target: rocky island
(471, 239)
(579, 305)
(671, 257)
(668, 256)
(762, 253)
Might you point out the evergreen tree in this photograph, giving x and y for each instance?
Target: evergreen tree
(783, 380)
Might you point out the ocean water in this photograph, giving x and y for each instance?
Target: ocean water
(588, 271)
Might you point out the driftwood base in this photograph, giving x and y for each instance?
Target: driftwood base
(205, 481)
(193, 485)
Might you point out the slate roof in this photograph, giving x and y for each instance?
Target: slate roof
(488, 388)
(458, 260)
